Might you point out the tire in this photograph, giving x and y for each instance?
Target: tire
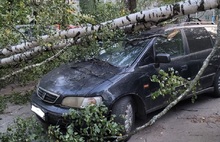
(217, 85)
(124, 113)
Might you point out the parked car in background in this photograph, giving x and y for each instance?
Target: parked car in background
(120, 76)
(29, 32)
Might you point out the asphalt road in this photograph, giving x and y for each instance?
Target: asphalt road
(186, 122)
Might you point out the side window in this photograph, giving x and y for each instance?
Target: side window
(147, 58)
(172, 45)
(198, 39)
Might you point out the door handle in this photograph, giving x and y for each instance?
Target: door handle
(184, 68)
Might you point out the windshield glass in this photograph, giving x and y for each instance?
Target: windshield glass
(122, 53)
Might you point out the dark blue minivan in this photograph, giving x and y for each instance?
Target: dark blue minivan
(120, 76)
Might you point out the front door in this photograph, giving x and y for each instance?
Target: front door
(174, 46)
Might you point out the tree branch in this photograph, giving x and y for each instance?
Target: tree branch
(155, 15)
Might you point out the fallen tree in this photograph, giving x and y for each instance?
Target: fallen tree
(149, 17)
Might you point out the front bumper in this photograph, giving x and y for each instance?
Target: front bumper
(49, 113)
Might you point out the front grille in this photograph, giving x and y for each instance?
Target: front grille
(47, 96)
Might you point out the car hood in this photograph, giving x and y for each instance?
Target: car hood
(78, 78)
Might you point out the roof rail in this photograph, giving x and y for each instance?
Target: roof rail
(197, 23)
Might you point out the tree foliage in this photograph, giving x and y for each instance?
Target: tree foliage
(170, 84)
(26, 20)
(25, 12)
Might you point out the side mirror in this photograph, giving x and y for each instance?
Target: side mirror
(163, 58)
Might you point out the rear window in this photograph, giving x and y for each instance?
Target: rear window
(198, 39)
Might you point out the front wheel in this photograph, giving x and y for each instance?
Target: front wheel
(217, 85)
(124, 113)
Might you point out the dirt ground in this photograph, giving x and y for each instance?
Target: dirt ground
(186, 122)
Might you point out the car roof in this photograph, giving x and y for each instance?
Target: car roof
(161, 29)
(191, 25)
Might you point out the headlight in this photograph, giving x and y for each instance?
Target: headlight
(81, 102)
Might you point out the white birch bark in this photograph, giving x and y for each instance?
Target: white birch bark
(34, 65)
(35, 51)
(155, 16)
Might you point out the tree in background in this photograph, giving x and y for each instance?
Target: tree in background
(87, 6)
(131, 5)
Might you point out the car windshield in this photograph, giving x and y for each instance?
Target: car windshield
(122, 53)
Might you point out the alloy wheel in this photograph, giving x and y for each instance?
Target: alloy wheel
(129, 118)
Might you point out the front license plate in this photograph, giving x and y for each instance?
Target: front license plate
(38, 111)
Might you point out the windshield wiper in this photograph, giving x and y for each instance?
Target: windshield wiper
(99, 60)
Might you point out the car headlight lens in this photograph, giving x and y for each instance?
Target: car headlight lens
(81, 102)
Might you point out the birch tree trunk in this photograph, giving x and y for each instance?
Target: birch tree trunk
(34, 65)
(35, 51)
(192, 84)
(153, 16)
